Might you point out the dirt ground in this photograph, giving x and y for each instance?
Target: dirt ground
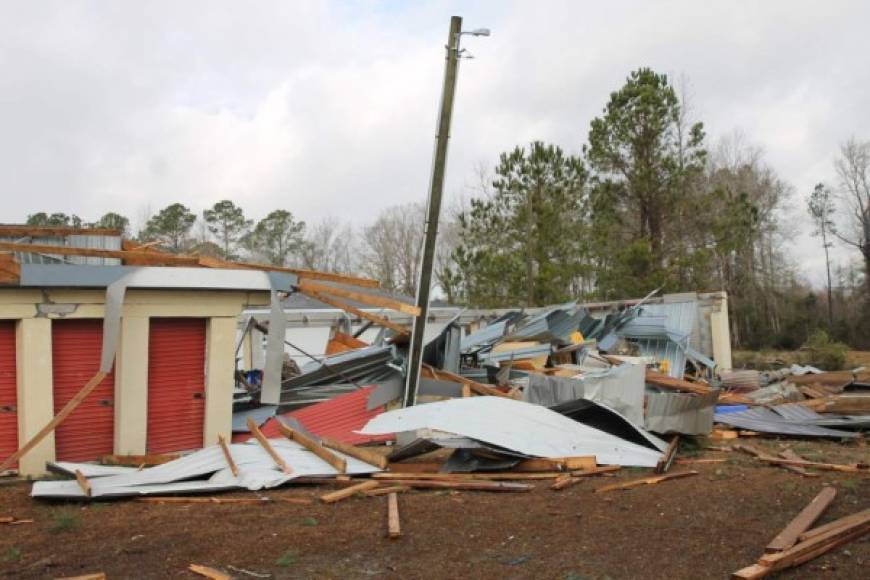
(705, 526)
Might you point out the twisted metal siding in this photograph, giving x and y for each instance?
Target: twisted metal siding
(176, 384)
(89, 431)
(8, 390)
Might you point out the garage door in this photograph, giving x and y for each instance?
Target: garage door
(88, 432)
(8, 389)
(176, 384)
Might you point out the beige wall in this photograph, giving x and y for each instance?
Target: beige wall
(35, 309)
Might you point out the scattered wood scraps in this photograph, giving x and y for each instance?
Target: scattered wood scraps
(645, 481)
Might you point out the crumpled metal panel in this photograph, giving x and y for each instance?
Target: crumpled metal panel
(683, 413)
(517, 426)
(768, 421)
(206, 471)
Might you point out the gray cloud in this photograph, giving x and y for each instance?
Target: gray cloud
(329, 108)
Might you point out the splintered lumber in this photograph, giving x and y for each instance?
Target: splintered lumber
(57, 420)
(385, 490)
(83, 482)
(466, 476)
(215, 500)
(481, 389)
(228, 456)
(365, 455)
(644, 481)
(94, 576)
(846, 468)
(379, 320)
(789, 454)
(341, 494)
(698, 461)
(474, 485)
(208, 572)
(564, 481)
(807, 550)
(394, 531)
(587, 462)
(666, 382)
(848, 520)
(788, 537)
(668, 458)
(313, 446)
(307, 286)
(137, 460)
(604, 469)
(267, 447)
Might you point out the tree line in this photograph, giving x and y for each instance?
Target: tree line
(644, 202)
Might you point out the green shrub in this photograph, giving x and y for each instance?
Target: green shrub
(820, 351)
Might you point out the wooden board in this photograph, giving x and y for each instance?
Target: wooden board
(488, 476)
(228, 456)
(56, 420)
(645, 481)
(833, 525)
(328, 456)
(264, 443)
(137, 460)
(374, 318)
(365, 455)
(385, 490)
(788, 537)
(376, 300)
(475, 485)
(341, 494)
(670, 453)
(393, 528)
(209, 572)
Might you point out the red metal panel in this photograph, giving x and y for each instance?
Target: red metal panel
(336, 419)
(89, 431)
(176, 384)
(8, 390)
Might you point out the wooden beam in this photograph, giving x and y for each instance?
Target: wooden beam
(479, 388)
(475, 485)
(306, 285)
(848, 520)
(207, 572)
(374, 318)
(264, 443)
(341, 494)
(71, 406)
(364, 455)
(228, 456)
(393, 528)
(644, 481)
(816, 546)
(668, 458)
(385, 490)
(94, 576)
(788, 537)
(666, 382)
(585, 462)
(505, 476)
(604, 469)
(83, 483)
(169, 259)
(339, 463)
(845, 468)
(54, 231)
(211, 262)
(565, 481)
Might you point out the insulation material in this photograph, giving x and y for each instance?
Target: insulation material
(621, 388)
(206, 471)
(515, 426)
(683, 413)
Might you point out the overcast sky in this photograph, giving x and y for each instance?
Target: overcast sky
(328, 108)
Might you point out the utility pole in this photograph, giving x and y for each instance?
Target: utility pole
(436, 189)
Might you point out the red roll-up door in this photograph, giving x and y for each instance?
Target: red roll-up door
(176, 384)
(8, 391)
(87, 433)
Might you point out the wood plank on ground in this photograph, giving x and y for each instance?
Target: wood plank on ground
(341, 494)
(824, 528)
(208, 572)
(394, 530)
(645, 481)
(472, 485)
(788, 537)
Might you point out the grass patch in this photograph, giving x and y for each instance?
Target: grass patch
(310, 522)
(11, 555)
(286, 559)
(64, 522)
(850, 484)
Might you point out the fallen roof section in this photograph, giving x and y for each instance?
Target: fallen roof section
(517, 426)
(780, 421)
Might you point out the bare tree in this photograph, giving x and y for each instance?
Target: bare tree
(328, 247)
(821, 208)
(853, 168)
(392, 247)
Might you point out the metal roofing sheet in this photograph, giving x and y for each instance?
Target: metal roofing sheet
(767, 421)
